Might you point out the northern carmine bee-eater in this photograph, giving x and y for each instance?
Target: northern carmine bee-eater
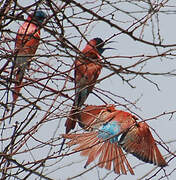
(87, 70)
(110, 130)
(26, 44)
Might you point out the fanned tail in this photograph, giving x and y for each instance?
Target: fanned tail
(109, 153)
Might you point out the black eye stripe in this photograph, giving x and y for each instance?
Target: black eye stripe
(98, 41)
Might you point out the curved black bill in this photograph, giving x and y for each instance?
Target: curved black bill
(108, 42)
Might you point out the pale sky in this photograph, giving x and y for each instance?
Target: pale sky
(150, 101)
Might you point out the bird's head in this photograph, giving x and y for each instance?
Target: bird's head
(39, 16)
(99, 44)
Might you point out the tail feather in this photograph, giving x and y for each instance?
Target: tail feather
(18, 84)
(119, 161)
(71, 120)
(102, 159)
(74, 141)
(87, 144)
(116, 161)
(124, 161)
(90, 145)
(21, 63)
(93, 153)
(128, 166)
(109, 156)
(84, 140)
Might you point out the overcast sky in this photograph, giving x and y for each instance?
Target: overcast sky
(150, 101)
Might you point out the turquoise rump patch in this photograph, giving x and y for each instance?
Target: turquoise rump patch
(108, 130)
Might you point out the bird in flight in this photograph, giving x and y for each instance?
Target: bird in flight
(108, 132)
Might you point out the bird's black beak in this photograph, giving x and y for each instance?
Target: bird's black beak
(108, 42)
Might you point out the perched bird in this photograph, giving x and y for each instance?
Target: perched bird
(110, 130)
(26, 44)
(87, 70)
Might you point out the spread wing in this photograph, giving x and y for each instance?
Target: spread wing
(140, 142)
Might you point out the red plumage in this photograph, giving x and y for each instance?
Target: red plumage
(110, 130)
(87, 70)
(27, 41)
(109, 154)
(140, 142)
